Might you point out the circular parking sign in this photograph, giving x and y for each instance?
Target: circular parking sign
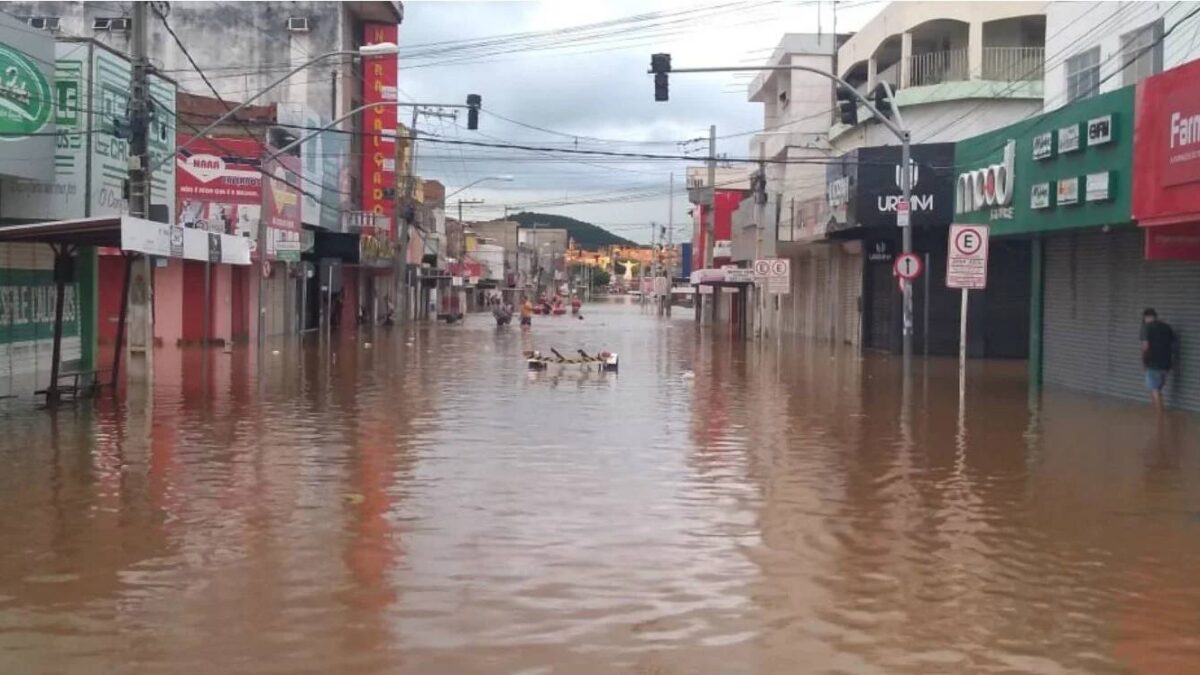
(762, 267)
(907, 266)
(968, 241)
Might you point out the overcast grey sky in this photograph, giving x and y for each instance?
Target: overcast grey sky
(589, 90)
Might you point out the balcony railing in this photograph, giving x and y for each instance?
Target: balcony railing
(937, 67)
(1013, 64)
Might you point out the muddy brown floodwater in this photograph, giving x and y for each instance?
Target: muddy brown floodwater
(426, 505)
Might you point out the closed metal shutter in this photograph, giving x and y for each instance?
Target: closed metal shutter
(881, 301)
(1097, 285)
(851, 290)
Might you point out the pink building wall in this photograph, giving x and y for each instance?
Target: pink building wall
(168, 303)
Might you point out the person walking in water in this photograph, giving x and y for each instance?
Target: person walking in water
(526, 313)
(1158, 352)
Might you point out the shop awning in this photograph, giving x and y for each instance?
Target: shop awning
(103, 231)
(722, 277)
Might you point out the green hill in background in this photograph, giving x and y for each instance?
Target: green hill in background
(586, 235)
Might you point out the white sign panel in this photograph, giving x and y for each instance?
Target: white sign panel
(967, 257)
(1096, 189)
(774, 275)
(1039, 196)
(151, 238)
(1068, 191)
(739, 276)
(1068, 139)
(1043, 145)
(1099, 130)
(903, 211)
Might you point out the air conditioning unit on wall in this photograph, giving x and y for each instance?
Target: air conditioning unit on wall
(298, 24)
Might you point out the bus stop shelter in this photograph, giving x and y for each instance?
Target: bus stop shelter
(134, 237)
(65, 238)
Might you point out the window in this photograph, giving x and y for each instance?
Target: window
(1142, 52)
(1083, 74)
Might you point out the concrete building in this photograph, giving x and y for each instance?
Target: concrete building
(242, 46)
(959, 68)
(1098, 47)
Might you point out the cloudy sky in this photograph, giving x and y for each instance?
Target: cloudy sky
(550, 77)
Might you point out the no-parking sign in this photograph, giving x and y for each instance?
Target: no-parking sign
(966, 264)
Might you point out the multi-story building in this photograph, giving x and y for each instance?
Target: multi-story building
(956, 69)
(1105, 191)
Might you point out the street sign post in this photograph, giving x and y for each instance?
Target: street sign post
(774, 275)
(903, 211)
(908, 266)
(966, 268)
(966, 263)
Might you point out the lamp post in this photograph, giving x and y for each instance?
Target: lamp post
(402, 263)
(380, 49)
(660, 67)
(504, 177)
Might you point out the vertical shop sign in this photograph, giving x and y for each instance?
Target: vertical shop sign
(379, 142)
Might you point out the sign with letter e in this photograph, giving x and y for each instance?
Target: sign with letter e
(967, 258)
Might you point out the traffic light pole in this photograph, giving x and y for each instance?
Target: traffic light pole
(662, 66)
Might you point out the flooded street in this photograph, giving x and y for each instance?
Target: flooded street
(427, 505)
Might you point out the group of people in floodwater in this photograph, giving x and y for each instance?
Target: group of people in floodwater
(546, 305)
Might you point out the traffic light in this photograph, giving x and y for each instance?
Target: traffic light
(473, 103)
(847, 104)
(660, 65)
(882, 101)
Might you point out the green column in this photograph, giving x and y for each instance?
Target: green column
(1036, 297)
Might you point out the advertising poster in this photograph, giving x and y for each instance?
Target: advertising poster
(219, 186)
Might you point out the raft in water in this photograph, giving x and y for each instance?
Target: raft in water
(603, 361)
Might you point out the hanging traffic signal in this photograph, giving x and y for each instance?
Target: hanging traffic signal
(847, 105)
(473, 103)
(660, 65)
(882, 101)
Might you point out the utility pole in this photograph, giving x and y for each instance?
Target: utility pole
(660, 67)
(407, 217)
(670, 239)
(468, 202)
(139, 182)
(710, 198)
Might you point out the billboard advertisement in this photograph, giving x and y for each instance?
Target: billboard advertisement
(219, 185)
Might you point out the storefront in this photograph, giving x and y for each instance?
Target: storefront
(863, 189)
(1166, 205)
(1058, 185)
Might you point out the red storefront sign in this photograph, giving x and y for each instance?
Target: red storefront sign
(1173, 242)
(218, 185)
(281, 203)
(380, 78)
(1166, 160)
(283, 193)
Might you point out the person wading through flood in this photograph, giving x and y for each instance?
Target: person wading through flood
(1158, 351)
(526, 313)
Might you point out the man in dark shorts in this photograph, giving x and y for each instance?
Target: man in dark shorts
(1158, 352)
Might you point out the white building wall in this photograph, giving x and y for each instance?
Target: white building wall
(242, 46)
(1075, 27)
(944, 122)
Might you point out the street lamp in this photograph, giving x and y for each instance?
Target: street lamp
(660, 67)
(378, 49)
(504, 177)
